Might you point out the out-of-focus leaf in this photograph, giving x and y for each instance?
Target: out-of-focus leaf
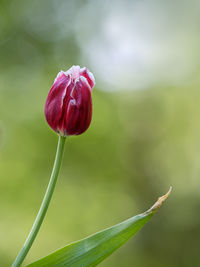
(94, 249)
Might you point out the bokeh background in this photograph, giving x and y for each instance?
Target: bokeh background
(144, 137)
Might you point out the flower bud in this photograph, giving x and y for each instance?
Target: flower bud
(68, 108)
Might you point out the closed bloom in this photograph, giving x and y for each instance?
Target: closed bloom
(68, 108)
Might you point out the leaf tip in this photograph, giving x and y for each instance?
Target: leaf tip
(159, 202)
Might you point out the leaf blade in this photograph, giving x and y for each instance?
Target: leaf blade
(92, 250)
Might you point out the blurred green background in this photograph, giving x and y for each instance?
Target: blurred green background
(144, 137)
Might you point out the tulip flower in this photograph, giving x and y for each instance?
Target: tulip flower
(68, 111)
(68, 108)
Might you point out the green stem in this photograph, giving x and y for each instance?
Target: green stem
(44, 206)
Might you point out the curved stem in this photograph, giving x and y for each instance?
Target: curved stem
(44, 206)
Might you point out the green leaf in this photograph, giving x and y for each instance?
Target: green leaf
(94, 249)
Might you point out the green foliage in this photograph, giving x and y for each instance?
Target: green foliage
(139, 142)
(90, 251)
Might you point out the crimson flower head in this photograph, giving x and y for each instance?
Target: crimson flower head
(68, 108)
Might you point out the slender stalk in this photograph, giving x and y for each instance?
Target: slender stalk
(44, 206)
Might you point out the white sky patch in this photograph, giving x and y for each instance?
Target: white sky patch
(138, 45)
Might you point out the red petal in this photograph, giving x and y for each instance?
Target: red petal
(54, 102)
(79, 112)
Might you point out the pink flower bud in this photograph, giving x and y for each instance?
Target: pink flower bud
(68, 108)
